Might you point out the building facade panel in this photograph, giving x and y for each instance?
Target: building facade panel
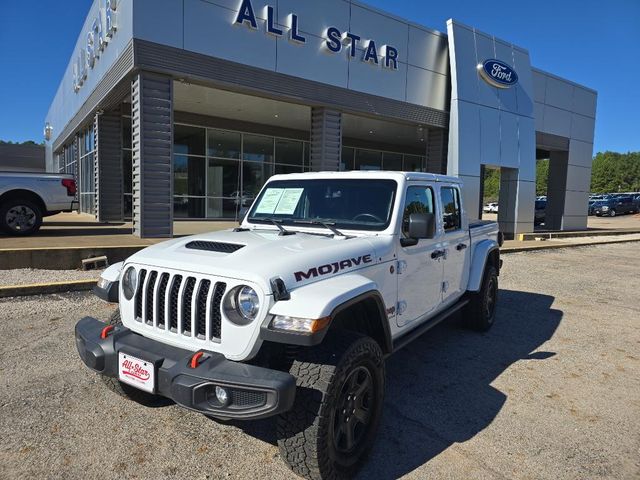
(267, 87)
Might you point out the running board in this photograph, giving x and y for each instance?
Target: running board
(411, 335)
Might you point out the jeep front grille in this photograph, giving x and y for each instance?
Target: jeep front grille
(181, 305)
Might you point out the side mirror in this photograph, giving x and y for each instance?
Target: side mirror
(421, 225)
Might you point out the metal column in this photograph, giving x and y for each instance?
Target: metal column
(152, 136)
(326, 139)
(108, 166)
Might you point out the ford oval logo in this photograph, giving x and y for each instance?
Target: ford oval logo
(498, 73)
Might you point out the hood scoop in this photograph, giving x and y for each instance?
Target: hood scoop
(213, 246)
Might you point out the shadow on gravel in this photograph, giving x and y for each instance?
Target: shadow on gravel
(439, 389)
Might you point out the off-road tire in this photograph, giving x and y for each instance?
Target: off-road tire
(13, 203)
(612, 213)
(127, 391)
(306, 432)
(479, 313)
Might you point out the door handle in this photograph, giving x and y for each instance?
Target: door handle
(461, 246)
(437, 254)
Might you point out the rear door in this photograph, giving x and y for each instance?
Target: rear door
(455, 242)
(419, 268)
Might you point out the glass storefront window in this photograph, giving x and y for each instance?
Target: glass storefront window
(257, 148)
(392, 161)
(185, 207)
(188, 176)
(368, 160)
(413, 163)
(188, 140)
(223, 144)
(346, 163)
(223, 178)
(307, 156)
(226, 207)
(126, 132)
(283, 169)
(289, 152)
(254, 177)
(127, 171)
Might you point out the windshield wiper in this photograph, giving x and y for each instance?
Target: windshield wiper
(327, 225)
(283, 231)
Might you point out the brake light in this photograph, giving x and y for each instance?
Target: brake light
(70, 185)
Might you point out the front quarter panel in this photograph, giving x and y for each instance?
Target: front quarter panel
(320, 299)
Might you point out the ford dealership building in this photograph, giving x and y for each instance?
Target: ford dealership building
(173, 109)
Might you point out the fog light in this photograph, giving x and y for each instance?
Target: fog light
(222, 395)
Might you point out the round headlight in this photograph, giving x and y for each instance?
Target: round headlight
(247, 303)
(129, 282)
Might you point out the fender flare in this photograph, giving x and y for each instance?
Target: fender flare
(481, 254)
(327, 298)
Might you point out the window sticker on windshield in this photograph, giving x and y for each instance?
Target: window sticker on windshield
(270, 200)
(289, 201)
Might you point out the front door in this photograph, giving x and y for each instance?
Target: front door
(456, 244)
(419, 275)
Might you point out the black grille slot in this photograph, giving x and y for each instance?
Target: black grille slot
(138, 308)
(213, 246)
(216, 314)
(173, 302)
(201, 308)
(151, 285)
(186, 304)
(244, 398)
(162, 292)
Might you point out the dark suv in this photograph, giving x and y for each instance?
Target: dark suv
(616, 206)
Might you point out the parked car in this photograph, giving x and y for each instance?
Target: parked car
(293, 313)
(616, 206)
(25, 198)
(540, 212)
(491, 208)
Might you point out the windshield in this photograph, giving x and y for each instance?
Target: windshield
(350, 204)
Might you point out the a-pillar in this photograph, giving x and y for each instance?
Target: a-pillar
(326, 139)
(107, 128)
(152, 138)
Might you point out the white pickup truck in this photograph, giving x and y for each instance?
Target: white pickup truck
(27, 197)
(294, 312)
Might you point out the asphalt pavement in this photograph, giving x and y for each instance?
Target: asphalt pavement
(551, 392)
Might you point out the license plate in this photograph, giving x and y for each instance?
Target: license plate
(136, 372)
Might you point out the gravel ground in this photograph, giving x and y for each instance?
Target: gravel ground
(27, 276)
(551, 392)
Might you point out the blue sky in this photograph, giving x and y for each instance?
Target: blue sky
(591, 42)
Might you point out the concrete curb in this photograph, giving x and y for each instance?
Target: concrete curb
(47, 288)
(534, 248)
(583, 233)
(62, 258)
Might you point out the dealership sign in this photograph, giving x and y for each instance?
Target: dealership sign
(334, 40)
(497, 73)
(100, 32)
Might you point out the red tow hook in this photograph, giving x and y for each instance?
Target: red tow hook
(106, 331)
(196, 359)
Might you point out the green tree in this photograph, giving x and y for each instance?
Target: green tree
(613, 172)
(542, 176)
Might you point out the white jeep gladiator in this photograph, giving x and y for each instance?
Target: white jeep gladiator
(293, 313)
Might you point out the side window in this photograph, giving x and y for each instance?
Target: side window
(451, 215)
(418, 200)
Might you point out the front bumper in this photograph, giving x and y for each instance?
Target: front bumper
(255, 392)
